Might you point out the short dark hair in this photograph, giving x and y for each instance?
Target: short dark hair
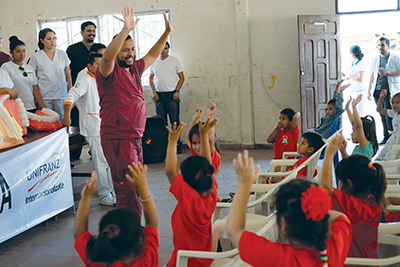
(87, 23)
(167, 44)
(197, 172)
(298, 227)
(42, 35)
(97, 47)
(385, 39)
(126, 39)
(314, 140)
(92, 57)
(14, 42)
(289, 112)
(332, 102)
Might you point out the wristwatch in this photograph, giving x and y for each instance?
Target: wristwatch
(388, 74)
(176, 91)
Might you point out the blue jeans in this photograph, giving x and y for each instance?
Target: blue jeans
(166, 105)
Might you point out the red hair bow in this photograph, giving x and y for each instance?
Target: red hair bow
(316, 203)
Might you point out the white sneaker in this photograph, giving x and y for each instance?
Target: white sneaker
(106, 200)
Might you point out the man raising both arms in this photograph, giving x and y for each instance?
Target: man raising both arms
(123, 111)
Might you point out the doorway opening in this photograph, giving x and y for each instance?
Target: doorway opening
(365, 30)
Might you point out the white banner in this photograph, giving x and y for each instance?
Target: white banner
(35, 182)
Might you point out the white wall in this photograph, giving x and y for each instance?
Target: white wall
(226, 48)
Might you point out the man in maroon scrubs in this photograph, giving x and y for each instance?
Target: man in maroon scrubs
(122, 106)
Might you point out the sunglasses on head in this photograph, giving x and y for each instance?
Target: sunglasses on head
(24, 72)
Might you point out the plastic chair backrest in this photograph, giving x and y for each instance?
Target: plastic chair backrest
(336, 125)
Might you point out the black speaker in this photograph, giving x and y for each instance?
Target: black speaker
(154, 140)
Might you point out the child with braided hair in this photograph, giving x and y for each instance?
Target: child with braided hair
(122, 241)
(360, 195)
(303, 217)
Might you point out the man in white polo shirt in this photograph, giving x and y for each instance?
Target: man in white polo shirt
(166, 79)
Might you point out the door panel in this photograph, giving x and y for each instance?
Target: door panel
(319, 46)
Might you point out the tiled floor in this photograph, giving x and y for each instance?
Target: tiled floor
(51, 244)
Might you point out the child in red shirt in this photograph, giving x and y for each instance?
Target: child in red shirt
(286, 133)
(193, 137)
(360, 196)
(196, 193)
(310, 143)
(302, 216)
(122, 241)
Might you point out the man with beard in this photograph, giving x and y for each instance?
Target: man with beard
(78, 54)
(122, 107)
(385, 72)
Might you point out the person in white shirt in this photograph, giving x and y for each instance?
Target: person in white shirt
(52, 71)
(356, 77)
(166, 79)
(23, 75)
(385, 75)
(6, 84)
(85, 96)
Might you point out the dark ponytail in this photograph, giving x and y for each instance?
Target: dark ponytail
(366, 177)
(379, 185)
(298, 227)
(356, 51)
(198, 173)
(369, 128)
(128, 239)
(42, 35)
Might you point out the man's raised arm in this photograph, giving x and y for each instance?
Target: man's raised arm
(107, 62)
(155, 51)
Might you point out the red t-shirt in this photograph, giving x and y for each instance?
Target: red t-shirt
(392, 216)
(149, 258)
(364, 215)
(191, 221)
(303, 172)
(122, 106)
(286, 142)
(258, 251)
(215, 158)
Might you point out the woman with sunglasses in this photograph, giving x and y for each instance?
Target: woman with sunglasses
(23, 76)
(52, 70)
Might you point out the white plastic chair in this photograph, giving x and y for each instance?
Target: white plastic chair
(311, 163)
(386, 235)
(253, 221)
(228, 258)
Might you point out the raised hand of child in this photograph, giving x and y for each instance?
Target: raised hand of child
(383, 93)
(348, 103)
(212, 109)
(244, 168)
(343, 88)
(357, 100)
(204, 128)
(197, 114)
(90, 186)
(338, 84)
(334, 145)
(138, 176)
(175, 132)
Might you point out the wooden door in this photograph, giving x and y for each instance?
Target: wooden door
(319, 50)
